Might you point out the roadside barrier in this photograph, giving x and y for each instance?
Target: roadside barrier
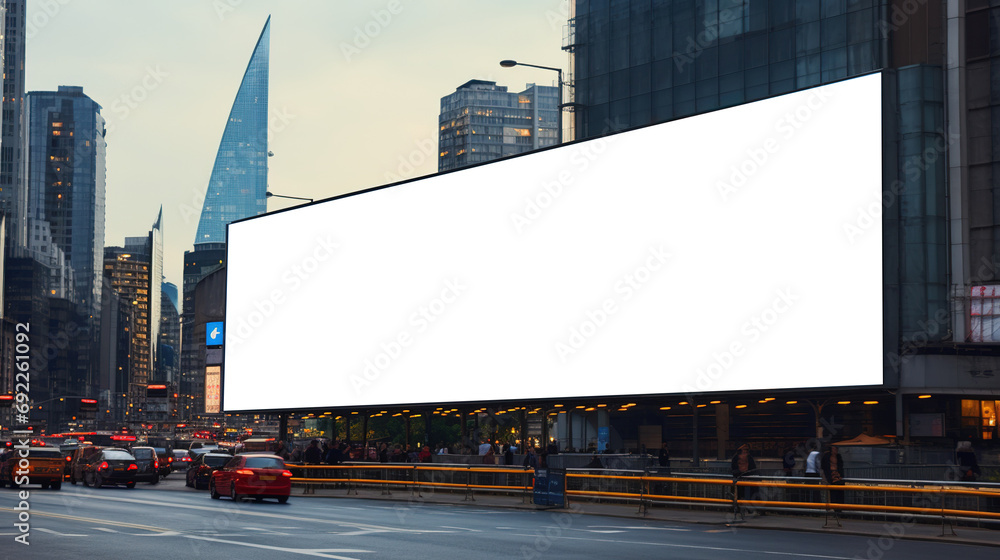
(946, 501)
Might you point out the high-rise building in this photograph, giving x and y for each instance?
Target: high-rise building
(238, 186)
(66, 182)
(169, 359)
(237, 189)
(637, 62)
(482, 121)
(135, 273)
(13, 186)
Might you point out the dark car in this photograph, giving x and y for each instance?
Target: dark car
(260, 476)
(182, 460)
(81, 455)
(166, 460)
(110, 466)
(202, 467)
(149, 464)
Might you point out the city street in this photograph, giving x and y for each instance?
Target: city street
(153, 521)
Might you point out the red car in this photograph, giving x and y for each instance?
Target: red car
(252, 474)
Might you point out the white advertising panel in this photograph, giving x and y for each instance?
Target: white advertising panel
(735, 250)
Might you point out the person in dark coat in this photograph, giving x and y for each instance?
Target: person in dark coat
(508, 454)
(832, 466)
(742, 465)
(664, 458)
(312, 454)
(530, 459)
(966, 459)
(595, 463)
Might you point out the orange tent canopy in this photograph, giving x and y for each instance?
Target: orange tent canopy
(864, 439)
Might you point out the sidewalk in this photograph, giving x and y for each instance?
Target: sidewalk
(891, 528)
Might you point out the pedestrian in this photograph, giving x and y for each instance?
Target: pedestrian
(297, 454)
(788, 461)
(312, 455)
(282, 450)
(489, 458)
(332, 456)
(442, 449)
(832, 467)
(665, 458)
(425, 454)
(742, 465)
(383, 452)
(595, 463)
(508, 454)
(530, 459)
(812, 463)
(966, 459)
(483, 447)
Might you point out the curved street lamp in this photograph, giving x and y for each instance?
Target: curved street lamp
(559, 106)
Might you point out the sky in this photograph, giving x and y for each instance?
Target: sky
(355, 89)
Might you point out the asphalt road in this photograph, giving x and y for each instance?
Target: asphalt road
(170, 520)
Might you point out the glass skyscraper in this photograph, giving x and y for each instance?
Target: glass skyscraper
(482, 121)
(238, 186)
(638, 62)
(66, 183)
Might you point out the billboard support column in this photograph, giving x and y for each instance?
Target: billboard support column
(695, 456)
(722, 429)
(283, 426)
(364, 430)
(464, 425)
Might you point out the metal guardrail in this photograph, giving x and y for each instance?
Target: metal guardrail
(889, 497)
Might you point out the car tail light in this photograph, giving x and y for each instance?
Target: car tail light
(286, 473)
(133, 467)
(103, 466)
(170, 459)
(156, 464)
(244, 471)
(68, 459)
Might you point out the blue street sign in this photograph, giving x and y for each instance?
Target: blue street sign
(213, 334)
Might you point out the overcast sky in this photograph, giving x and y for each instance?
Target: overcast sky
(355, 89)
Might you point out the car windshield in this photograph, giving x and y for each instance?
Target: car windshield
(180, 453)
(45, 453)
(118, 456)
(264, 463)
(217, 460)
(143, 453)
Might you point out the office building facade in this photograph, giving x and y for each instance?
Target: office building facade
(66, 182)
(13, 187)
(638, 62)
(482, 121)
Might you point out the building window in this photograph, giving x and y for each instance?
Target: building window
(984, 314)
(979, 418)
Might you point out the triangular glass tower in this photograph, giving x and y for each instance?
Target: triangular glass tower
(238, 186)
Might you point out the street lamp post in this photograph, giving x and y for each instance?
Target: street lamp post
(559, 106)
(270, 194)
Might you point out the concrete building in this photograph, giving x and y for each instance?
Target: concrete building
(482, 121)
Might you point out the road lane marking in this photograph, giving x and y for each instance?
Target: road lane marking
(245, 511)
(743, 551)
(462, 529)
(51, 532)
(106, 530)
(92, 520)
(320, 552)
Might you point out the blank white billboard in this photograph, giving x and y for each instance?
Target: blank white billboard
(735, 250)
